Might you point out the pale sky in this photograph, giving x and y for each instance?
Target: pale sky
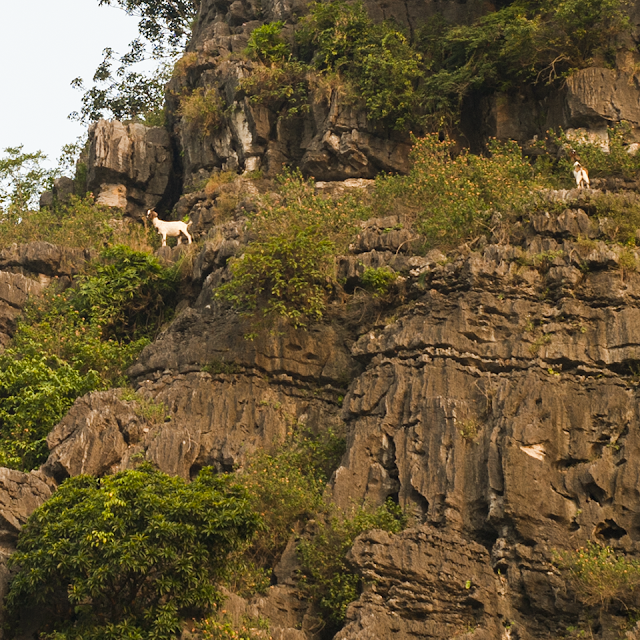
(44, 45)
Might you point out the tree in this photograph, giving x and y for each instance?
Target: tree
(164, 29)
(22, 179)
(125, 556)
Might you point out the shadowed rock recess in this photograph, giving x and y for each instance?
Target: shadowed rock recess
(493, 396)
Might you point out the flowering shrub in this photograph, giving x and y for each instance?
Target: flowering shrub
(601, 576)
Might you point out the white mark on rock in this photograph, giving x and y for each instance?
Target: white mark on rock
(535, 451)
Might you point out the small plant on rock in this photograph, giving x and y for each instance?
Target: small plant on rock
(378, 279)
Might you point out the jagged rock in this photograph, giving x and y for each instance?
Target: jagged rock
(200, 336)
(599, 96)
(15, 289)
(103, 433)
(422, 583)
(20, 495)
(129, 165)
(45, 258)
(93, 437)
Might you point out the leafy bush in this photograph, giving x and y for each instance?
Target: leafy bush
(600, 576)
(288, 268)
(35, 393)
(424, 82)
(285, 488)
(267, 45)
(74, 342)
(377, 58)
(328, 579)
(524, 43)
(221, 627)
(378, 280)
(615, 162)
(284, 87)
(126, 555)
(127, 293)
(203, 110)
(454, 197)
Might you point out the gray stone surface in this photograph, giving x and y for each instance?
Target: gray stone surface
(129, 165)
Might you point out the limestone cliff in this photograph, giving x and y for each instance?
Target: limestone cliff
(494, 395)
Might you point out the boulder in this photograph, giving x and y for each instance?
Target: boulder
(130, 165)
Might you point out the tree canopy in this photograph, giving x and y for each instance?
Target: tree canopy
(123, 557)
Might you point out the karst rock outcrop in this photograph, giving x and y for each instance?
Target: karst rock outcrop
(495, 399)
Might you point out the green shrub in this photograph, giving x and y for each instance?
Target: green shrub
(221, 627)
(600, 576)
(74, 342)
(126, 555)
(203, 110)
(328, 579)
(35, 393)
(283, 87)
(288, 268)
(267, 45)
(285, 487)
(377, 58)
(128, 292)
(378, 279)
(524, 43)
(600, 163)
(454, 197)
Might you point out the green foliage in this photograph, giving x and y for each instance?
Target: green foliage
(127, 95)
(377, 58)
(164, 28)
(329, 581)
(288, 268)
(285, 487)
(525, 42)
(600, 576)
(378, 279)
(266, 45)
(203, 109)
(423, 82)
(453, 198)
(284, 87)
(221, 627)
(131, 553)
(22, 179)
(614, 162)
(127, 293)
(80, 223)
(35, 393)
(74, 342)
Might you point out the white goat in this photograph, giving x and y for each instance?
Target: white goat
(169, 228)
(579, 172)
(581, 175)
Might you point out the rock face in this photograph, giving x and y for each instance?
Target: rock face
(498, 406)
(130, 165)
(25, 270)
